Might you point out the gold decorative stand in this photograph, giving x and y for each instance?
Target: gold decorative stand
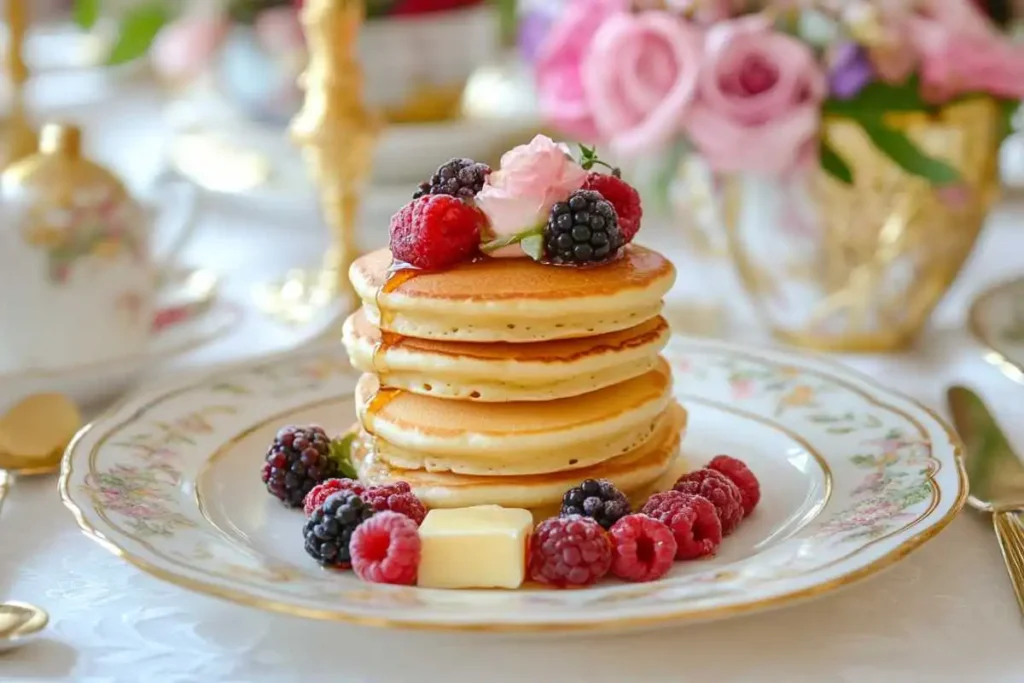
(337, 134)
(17, 137)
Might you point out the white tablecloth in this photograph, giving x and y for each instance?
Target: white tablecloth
(946, 613)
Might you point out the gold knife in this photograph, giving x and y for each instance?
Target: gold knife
(996, 477)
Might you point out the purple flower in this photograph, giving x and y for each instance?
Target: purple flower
(851, 72)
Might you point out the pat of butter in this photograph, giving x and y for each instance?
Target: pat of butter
(474, 547)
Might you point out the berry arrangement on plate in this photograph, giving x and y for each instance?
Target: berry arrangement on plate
(385, 533)
(540, 203)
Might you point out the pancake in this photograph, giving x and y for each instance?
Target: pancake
(582, 455)
(523, 430)
(513, 300)
(502, 371)
(637, 470)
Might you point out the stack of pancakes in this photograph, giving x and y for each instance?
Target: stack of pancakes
(506, 382)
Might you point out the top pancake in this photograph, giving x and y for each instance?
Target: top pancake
(513, 300)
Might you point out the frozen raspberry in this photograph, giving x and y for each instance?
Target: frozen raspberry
(397, 497)
(435, 231)
(569, 551)
(386, 549)
(623, 197)
(643, 548)
(316, 497)
(717, 488)
(739, 474)
(692, 519)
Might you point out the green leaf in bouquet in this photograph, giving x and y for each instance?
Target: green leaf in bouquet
(878, 98)
(908, 156)
(86, 12)
(834, 164)
(138, 29)
(1008, 110)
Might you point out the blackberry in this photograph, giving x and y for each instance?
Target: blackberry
(461, 178)
(583, 229)
(329, 529)
(298, 460)
(598, 499)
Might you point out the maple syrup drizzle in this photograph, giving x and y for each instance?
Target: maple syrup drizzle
(398, 274)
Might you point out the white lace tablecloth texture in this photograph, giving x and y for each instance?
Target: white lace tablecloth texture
(946, 613)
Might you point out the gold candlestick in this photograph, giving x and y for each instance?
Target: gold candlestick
(337, 134)
(17, 138)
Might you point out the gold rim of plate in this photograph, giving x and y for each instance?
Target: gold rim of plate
(612, 624)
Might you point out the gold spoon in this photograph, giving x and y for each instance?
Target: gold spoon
(33, 435)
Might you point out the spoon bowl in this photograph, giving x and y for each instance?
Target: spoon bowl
(19, 623)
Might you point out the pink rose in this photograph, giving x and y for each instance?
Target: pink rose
(961, 51)
(640, 76)
(559, 58)
(758, 99)
(185, 48)
(279, 30)
(531, 179)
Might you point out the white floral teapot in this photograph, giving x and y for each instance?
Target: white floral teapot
(78, 279)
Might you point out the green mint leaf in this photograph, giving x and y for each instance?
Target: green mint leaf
(902, 150)
(834, 164)
(341, 453)
(139, 27)
(507, 240)
(533, 246)
(86, 12)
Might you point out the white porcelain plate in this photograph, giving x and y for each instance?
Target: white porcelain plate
(997, 320)
(854, 477)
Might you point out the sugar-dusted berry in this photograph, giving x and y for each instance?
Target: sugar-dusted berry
(397, 497)
(436, 231)
(386, 549)
(329, 529)
(643, 548)
(322, 491)
(569, 552)
(739, 474)
(692, 519)
(297, 460)
(598, 499)
(623, 197)
(717, 488)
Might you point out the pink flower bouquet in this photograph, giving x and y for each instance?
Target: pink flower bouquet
(746, 83)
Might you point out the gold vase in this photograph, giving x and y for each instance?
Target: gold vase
(860, 267)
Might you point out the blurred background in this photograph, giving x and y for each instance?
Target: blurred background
(193, 106)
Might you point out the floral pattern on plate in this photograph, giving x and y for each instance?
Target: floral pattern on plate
(854, 478)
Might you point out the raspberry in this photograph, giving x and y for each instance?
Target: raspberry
(738, 473)
(397, 497)
(329, 529)
(598, 499)
(569, 551)
(643, 548)
(321, 492)
(583, 229)
(461, 178)
(692, 519)
(435, 231)
(717, 488)
(386, 549)
(623, 197)
(297, 460)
